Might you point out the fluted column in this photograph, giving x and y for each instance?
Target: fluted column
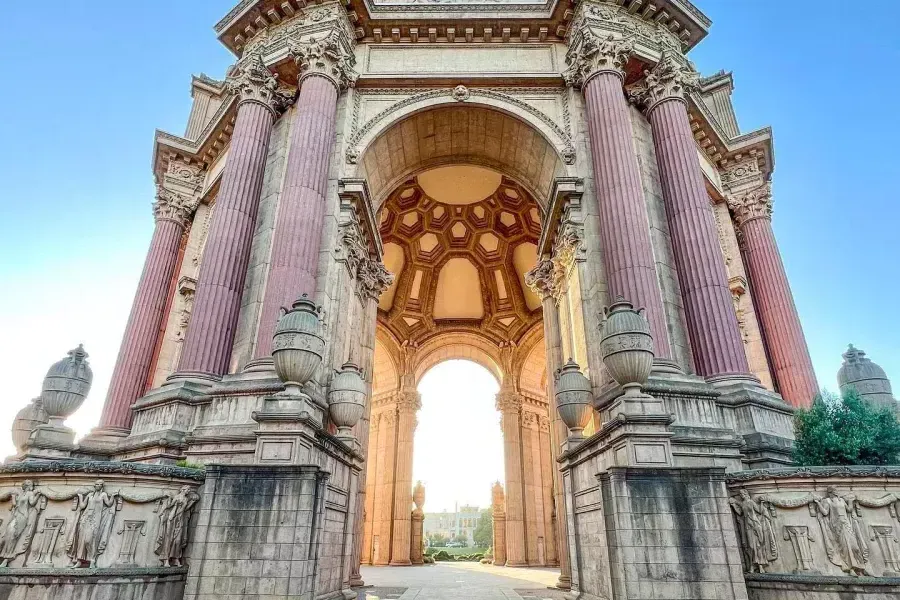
(407, 406)
(384, 499)
(297, 240)
(544, 281)
(510, 406)
(173, 212)
(597, 65)
(711, 319)
(210, 333)
(783, 334)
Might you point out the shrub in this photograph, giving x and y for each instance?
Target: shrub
(486, 561)
(442, 555)
(428, 560)
(845, 431)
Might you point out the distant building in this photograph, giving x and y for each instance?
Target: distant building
(461, 522)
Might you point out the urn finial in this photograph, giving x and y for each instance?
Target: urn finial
(626, 345)
(297, 346)
(347, 399)
(574, 398)
(66, 386)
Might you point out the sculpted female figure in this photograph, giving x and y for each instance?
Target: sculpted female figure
(96, 510)
(757, 532)
(845, 544)
(17, 533)
(174, 514)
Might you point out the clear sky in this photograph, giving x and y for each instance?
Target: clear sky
(88, 82)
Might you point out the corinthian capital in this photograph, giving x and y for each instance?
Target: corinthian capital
(543, 279)
(590, 54)
(752, 204)
(670, 79)
(172, 206)
(508, 401)
(326, 56)
(251, 81)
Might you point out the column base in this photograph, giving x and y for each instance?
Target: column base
(400, 563)
(357, 581)
(516, 564)
(666, 365)
(102, 442)
(260, 365)
(564, 582)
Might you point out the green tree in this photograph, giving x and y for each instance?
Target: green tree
(438, 540)
(846, 431)
(484, 531)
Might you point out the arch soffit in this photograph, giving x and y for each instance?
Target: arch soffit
(556, 140)
(458, 346)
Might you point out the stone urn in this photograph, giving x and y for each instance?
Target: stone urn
(26, 421)
(574, 399)
(419, 496)
(297, 346)
(66, 386)
(626, 345)
(347, 399)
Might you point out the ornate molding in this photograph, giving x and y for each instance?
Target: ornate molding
(755, 203)
(103, 468)
(590, 54)
(328, 57)
(543, 279)
(509, 401)
(813, 473)
(374, 279)
(352, 153)
(670, 79)
(742, 173)
(172, 206)
(252, 81)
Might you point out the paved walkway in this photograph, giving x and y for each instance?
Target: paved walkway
(459, 581)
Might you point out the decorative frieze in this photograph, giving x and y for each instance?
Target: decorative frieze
(755, 203)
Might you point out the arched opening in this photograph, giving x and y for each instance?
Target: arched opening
(458, 452)
(459, 191)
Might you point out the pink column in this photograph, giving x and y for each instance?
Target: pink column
(711, 319)
(210, 333)
(173, 212)
(783, 334)
(301, 210)
(624, 223)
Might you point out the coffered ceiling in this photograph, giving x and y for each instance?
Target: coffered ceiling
(459, 252)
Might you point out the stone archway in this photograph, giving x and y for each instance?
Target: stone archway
(460, 192)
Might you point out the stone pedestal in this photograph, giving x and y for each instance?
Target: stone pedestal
(499, 533)
(417, 520)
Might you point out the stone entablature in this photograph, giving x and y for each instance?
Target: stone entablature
(834, 522)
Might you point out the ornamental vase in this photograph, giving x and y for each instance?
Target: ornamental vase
(297, 347)
(574, 399)
(26, 421)
(419, 495)
(626, 345)
(347, 399)
(66, 386)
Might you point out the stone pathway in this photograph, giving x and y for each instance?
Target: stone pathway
(459, 581)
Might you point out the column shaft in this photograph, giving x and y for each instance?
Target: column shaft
(785, 342)
(624, 222)
(515, 517)
(384, 501)
(132, 368)
(406, 428)
(711, 319)
(558, 433)
(210, 334)
(297, 240)
(529, 503)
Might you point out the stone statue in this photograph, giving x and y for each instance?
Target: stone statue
(845, 543)
(96, 510)
(16, 535)
(757, 532)
(174, 516)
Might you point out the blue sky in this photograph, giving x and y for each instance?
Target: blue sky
(88, 84)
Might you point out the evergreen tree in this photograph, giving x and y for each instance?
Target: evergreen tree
(484, 531)
(846, 431)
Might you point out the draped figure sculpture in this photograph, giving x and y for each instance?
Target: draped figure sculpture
(845, 542)
(757, 532)
(18, 531)
(93, 523)
(175, 512)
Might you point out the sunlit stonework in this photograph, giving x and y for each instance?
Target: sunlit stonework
(547, 189)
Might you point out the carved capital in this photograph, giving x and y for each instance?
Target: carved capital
(509, 402)
(590, 54)
(252, 81)
(172, 206)
(408, 401)
(568, 247)
(543, 280)
(751, 204)
(670, 79)
(326, 56)
(374, 278)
